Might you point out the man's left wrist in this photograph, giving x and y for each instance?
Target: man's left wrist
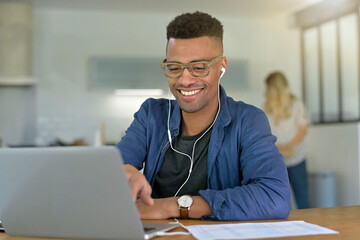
(173, 208)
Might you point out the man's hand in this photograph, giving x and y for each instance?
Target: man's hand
(139, 185)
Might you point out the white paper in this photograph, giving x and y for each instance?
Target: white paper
(256, 230)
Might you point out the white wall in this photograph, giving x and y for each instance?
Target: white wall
(269, 44)
(64, 41)
(66, 38)
(335, 147)
(17, 115)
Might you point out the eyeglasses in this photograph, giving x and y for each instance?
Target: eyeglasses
(197, 69)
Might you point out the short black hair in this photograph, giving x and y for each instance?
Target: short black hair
(194, 25)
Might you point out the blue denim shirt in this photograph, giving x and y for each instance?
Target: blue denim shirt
(247, 177)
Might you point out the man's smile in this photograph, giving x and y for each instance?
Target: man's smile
(189, 93)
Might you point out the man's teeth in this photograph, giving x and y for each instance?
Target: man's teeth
(189, 93)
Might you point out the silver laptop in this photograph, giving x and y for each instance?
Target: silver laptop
(69, 192)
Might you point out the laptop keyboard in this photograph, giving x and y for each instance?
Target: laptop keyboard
(147, 229)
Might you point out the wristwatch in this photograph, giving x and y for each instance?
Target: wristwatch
(185, 203)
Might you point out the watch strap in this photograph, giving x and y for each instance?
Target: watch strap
(184, 212)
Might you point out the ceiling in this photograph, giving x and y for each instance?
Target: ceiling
(242, 8)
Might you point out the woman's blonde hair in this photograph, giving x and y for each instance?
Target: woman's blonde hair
(278, 96)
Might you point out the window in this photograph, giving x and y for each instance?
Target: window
(330, 61)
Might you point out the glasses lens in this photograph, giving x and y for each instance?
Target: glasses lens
(173, 70)
(200, 69)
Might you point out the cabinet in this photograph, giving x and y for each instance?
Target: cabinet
(15, 44)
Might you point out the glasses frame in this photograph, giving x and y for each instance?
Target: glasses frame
(164, 64)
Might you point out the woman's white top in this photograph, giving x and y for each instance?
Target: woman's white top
(286, 129)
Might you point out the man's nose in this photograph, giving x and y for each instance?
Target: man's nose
(186, 77)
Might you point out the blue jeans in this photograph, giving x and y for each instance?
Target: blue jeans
(299, 182)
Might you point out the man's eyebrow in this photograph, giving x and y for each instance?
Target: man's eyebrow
(200, 60)
(172, 62)
(193, 61)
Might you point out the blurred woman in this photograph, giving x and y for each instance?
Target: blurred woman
(288, 121)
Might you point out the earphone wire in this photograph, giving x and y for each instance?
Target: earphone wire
(193, 149)
(174, 233)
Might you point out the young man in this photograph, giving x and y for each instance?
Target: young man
(206, 155)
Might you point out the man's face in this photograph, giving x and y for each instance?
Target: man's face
(195, 94)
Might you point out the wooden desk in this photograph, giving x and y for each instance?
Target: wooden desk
(345, 220)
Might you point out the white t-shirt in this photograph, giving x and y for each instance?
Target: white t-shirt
(286, 129)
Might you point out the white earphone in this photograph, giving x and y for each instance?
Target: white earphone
(223, 70)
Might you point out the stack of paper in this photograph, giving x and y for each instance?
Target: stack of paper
(256, 230)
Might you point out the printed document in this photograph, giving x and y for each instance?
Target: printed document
(256, 230)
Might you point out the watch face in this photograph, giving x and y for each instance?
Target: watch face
(185, 201)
